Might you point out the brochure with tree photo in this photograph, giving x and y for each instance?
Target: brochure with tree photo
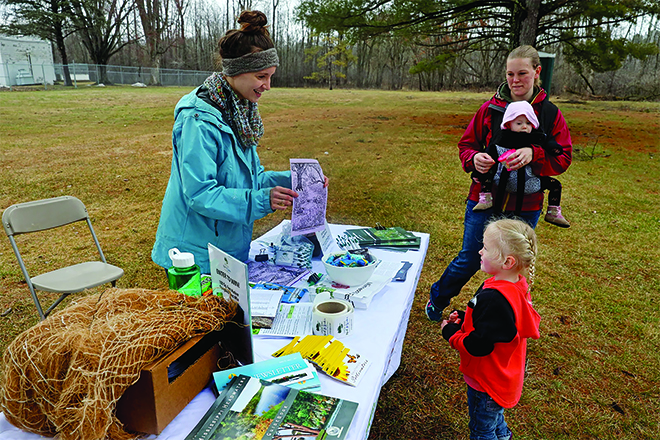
(390, 238)
(251, 408)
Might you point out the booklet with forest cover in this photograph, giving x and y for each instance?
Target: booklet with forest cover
(251, 408)
(390, 237)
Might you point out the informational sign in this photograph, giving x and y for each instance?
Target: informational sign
(229, 279)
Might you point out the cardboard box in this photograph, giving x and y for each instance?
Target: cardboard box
(151, 403)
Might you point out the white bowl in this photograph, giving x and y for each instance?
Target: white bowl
(350, 276)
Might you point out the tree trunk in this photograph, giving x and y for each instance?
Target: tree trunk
(154, 79)
(530, 23)
(65, 59)
(103, 74)
(150, 17)
(273, 33)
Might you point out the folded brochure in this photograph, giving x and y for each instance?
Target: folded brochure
(394, 236)
(290, 370)
(291, 320)
(291, 294)
(257, 409)
(330, 355)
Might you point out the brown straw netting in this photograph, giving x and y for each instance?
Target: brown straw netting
(65, 375)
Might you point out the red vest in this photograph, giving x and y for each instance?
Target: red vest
(501, 373)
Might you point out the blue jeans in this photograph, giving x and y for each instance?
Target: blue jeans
(468, 261)
(486, 417)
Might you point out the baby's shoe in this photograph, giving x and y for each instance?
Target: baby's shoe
(432, 313)
(553, 215)
(485, 202)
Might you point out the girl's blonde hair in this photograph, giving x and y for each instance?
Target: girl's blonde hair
(527, 52)
(517, 239)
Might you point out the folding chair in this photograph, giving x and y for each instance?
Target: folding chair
(41, 215)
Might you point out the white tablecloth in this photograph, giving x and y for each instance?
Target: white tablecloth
(378, 335)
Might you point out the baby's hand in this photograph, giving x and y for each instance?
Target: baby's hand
(453, 317)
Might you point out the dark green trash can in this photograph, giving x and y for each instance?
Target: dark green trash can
(547, 68)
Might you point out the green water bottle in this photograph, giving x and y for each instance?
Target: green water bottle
(184, 275)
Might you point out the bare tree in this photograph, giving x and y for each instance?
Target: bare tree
(99, 25)
(181, 7)
(155, 19)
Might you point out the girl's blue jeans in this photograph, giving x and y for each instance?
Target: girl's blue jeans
(486, 417)
(468, 261)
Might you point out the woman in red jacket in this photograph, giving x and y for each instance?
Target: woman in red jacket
(552, 158)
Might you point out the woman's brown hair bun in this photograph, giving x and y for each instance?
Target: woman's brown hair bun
(253, 22)
(253, 36)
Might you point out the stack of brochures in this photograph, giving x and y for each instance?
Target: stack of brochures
(291, 320)
(257, 409)
(393, 238)
(263, 306)
(290, 370)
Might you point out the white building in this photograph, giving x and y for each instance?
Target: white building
(25, 60)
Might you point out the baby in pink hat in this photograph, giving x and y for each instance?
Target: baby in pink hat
(519, 129)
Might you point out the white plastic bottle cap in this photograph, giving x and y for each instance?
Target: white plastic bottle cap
(181, 259)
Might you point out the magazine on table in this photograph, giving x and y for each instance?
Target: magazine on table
(253, 408)
(290, 370)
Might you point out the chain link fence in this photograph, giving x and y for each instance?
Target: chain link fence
(46, 74)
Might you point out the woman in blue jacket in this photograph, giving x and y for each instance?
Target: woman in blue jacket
(217, 186)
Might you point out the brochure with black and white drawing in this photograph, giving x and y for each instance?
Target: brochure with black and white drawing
(308, 214)
(262, 272)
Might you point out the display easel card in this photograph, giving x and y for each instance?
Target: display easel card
(308, 213)
(229, 279)
(327, 241)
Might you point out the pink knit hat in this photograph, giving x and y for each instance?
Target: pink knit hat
(515, 109)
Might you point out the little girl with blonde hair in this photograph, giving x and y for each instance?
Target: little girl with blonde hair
(491, 335)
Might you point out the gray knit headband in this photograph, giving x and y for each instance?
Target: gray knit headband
(251, 62)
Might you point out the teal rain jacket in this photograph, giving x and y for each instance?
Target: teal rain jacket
(216, 189)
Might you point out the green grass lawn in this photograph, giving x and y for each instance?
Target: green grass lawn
(391, 158)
